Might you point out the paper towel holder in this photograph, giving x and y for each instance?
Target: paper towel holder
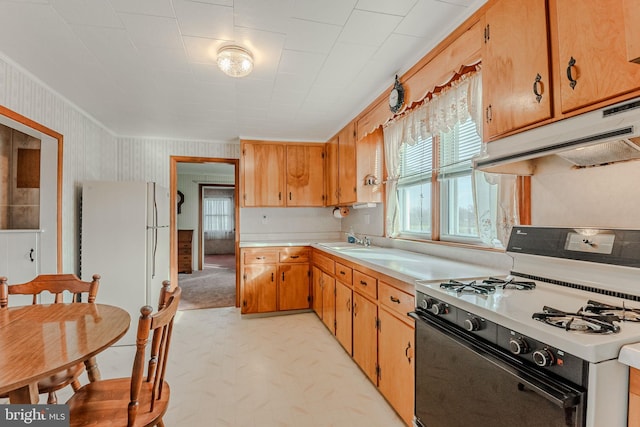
(340, 212)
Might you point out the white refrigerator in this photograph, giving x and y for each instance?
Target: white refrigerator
(125, 239)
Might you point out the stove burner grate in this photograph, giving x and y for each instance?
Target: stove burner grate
(511, 283)
(474, 286)
(624, 313)
(579, 321)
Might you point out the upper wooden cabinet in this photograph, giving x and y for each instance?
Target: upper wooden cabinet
(341, 167)
(262, 174)
(305, 175)
(282, 174)
(593, 63)
(631, 19)
(515, 66)
(370, 167)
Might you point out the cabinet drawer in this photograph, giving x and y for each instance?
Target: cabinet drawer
(184, 245)
(259, 256)
(294, 255)
(365, 284)
(398, 301)
(323, 262)
(344, 273)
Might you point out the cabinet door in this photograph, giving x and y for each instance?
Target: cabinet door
(369, 170)
(344, 323)
(516, 84)
(316, 300)
(263, 174)
(259, 288)
(293, 286)
(331, 169)
(329, 302)
(591, 37)
(365, 335)
(305, 175)
(396, 360)
(347, 191)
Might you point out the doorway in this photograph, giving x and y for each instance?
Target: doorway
(205, 193)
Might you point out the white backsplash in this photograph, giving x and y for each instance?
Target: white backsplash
(277, 224)
(605, 196)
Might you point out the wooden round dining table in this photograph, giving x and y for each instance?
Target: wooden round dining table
(37, 341)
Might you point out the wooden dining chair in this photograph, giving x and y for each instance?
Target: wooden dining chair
(139, 400)
(55, 285)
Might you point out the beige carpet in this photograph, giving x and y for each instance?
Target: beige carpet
(212, 287)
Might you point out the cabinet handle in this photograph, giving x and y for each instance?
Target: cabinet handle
(406, 352)
(487, 34)
(294, 256)
(355, 309)
(280, 195)
(349, 304)
(363, 283)
(536, 84)
(283, 276)
(289, 195)
(260, 257)
(572, 81)
(272, 277)
(394, 299)
(343, 272)
(488, 114)
(31, 255)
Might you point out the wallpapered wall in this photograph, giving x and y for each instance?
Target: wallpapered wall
(92, 152)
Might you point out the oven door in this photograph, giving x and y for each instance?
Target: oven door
(461, 381)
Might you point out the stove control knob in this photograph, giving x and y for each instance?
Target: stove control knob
(544, 357)
(518, 346)
(438, 308)
(426, 303)
(472, 324)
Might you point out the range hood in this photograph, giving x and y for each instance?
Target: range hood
(595, 138)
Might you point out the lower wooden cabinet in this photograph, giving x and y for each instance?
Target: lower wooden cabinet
(634, 397)
(396, 377)
(367, 312)
(329, 302)
(274, 279)
(344, 318)
(365, 335)
(259, 288)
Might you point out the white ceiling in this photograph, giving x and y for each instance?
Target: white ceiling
(146, 68)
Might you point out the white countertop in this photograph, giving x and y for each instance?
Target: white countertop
(405, 265)
(630, 355)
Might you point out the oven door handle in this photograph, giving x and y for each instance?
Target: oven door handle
(528, 378)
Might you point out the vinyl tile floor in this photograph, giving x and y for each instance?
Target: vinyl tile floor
(228, 370)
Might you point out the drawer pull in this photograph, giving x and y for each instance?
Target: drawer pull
(394, 299)
(294, 256)
(343, 272)
(260, 257)
(363, 283)
(570, 65)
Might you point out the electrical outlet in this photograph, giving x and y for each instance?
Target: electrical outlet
(265, 220)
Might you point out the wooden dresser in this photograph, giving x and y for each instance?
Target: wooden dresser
(185, 238)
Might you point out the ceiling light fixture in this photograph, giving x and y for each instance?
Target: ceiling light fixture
(235, 61)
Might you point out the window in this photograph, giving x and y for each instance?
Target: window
(433, 193)
(218, 217)
(457, 202)
(414, 188)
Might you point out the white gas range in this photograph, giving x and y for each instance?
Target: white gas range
(557, 319)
